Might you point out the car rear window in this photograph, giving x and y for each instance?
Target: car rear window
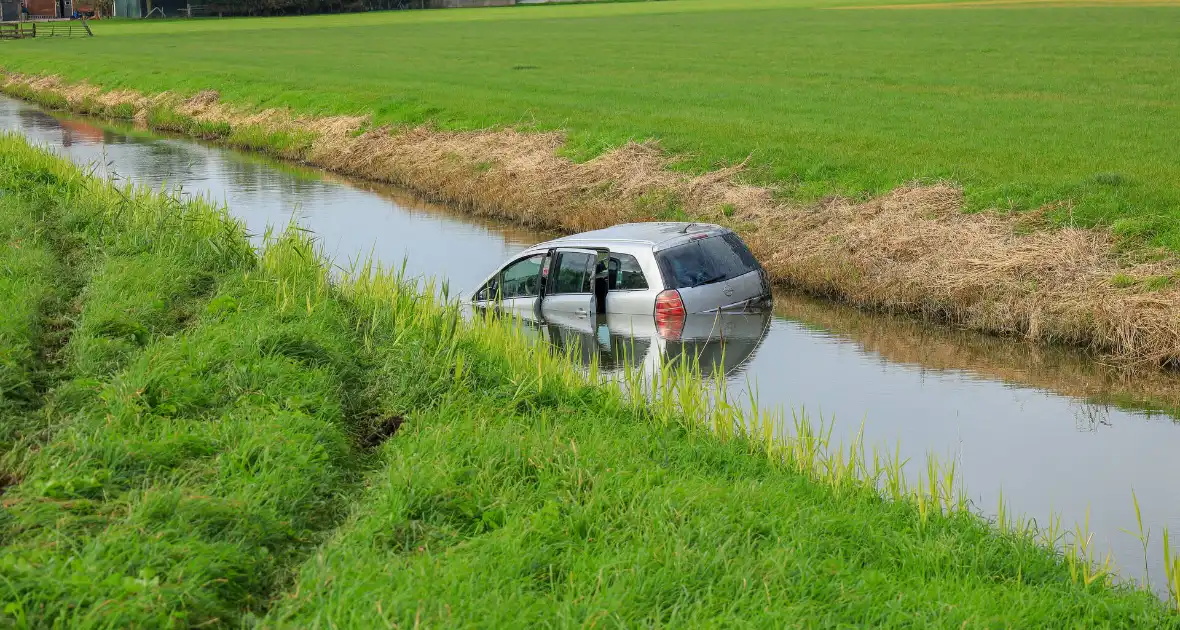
(742, 251)
(706, 260)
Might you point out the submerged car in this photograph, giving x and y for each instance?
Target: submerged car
(669, 270)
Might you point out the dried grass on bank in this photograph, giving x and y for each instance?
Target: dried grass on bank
(912, 250)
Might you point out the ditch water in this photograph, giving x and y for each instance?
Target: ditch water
(1052, 430)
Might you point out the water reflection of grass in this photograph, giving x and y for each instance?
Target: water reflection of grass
(906, 340)
(232, 436)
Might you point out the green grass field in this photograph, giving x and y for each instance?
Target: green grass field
(224, 438)
(1021, 104)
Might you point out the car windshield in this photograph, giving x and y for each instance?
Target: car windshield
(519, 279)
(705, 261)
(522, 278)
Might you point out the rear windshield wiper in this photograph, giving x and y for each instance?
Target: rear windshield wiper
(717, 278)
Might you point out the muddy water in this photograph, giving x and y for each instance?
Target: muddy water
(1050, 428)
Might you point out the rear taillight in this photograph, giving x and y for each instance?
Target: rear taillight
(669, 305)
(669, 314)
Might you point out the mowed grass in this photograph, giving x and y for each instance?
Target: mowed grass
(230, 438)
(1021, 104)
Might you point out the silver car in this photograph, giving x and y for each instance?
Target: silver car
(669, 270)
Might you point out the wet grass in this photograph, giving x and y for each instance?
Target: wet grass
(233, 438)
(1026, 105)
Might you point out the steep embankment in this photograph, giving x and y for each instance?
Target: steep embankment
(913, 250)
(231, 439)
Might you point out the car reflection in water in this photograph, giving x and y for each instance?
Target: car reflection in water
(723, 343)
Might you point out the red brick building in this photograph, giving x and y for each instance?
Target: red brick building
(49, 8)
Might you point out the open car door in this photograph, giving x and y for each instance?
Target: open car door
(572, 283)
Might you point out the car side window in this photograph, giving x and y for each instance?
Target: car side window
(625, 274)
(522, 278)
(572, 273)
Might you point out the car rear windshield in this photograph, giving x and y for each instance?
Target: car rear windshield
(706, 260)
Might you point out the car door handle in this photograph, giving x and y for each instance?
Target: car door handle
(581, 311)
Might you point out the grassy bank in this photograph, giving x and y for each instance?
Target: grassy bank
(229, 438)
(181, 461)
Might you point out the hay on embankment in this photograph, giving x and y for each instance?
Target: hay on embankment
(912, 250)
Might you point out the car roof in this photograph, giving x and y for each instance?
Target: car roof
(653, 234)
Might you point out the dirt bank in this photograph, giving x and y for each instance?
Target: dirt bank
(912, 250)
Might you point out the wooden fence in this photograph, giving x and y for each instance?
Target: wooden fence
(48, 28)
